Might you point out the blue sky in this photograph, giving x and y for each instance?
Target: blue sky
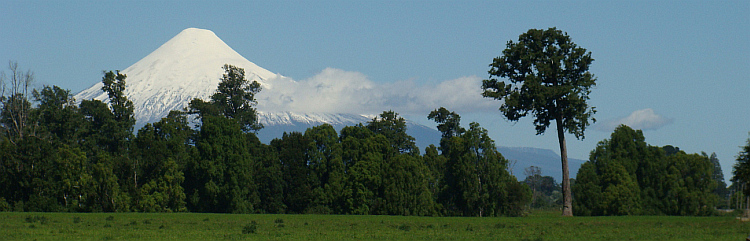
(677, 69)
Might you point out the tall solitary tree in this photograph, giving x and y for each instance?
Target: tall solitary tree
(548, 78)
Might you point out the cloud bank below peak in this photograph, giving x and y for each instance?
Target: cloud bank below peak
(340, 91)
(644, 119)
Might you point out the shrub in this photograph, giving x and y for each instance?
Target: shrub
(4, 205)
(250, 228)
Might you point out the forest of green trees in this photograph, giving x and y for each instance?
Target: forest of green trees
(626, 176)
(60, 156)
(57, 155)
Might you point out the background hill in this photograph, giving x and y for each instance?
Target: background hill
(546, 159)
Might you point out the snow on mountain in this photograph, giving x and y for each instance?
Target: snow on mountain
(289, 118)
(276, 123)
(189, 66)
(185, 67)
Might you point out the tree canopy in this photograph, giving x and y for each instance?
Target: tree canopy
(548, 77)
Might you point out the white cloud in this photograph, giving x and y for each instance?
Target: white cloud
(462, 94)
(339, 91)
(645, 119)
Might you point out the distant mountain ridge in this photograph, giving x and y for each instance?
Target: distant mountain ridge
(276, 123)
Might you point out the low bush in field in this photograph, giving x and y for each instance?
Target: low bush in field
(250, 228)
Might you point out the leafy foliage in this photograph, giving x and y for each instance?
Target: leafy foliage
(222, 174)
(235, 98)
(549, 78)
(299, 178)
(476, 182)
(325, 160)
(122, 110)
(393, 127)
(58, 114)
(160, 153)
(625, 176)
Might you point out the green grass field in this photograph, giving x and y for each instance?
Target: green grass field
(198, 226)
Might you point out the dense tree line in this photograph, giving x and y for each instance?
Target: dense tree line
(59, 155)
(626, 176)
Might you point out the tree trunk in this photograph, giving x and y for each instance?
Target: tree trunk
(567, 198)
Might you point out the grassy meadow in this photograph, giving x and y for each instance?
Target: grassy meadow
(199, 226)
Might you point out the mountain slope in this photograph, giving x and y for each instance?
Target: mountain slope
(185, 67)
(189, 65)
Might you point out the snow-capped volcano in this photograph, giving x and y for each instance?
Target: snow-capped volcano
(185, 67)
(189, 65)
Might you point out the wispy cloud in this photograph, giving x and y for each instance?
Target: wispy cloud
(339, 91)
(645, 119)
